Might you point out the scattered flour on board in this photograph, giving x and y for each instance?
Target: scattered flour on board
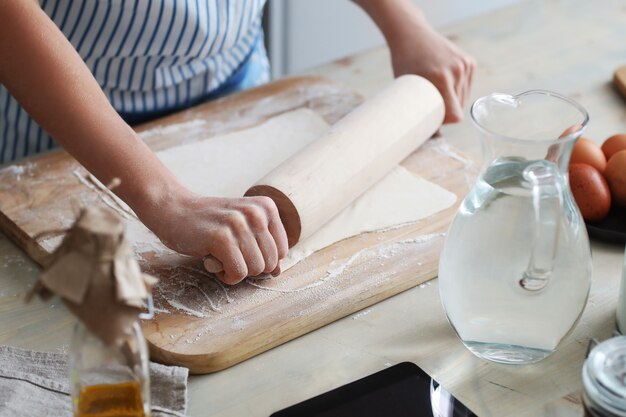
(16, 171)
(203, 295)
(173, 128)
(361, 314)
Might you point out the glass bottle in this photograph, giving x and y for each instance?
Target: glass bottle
(515, 270)
(604, 386)
(109, 380)
(621, 302)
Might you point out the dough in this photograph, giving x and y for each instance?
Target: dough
(226, 166)
(400, 197)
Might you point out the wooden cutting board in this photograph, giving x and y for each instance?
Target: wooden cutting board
(200, 323)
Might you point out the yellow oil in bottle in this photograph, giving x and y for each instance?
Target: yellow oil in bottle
(111, 400)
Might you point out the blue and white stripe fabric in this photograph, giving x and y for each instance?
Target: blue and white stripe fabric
(150, 57)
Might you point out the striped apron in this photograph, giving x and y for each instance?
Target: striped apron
(150, 57)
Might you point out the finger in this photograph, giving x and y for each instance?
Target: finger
(268, 250)
(277, 229)
(466, 88)
(454, 112)
(459, 80)
(251, 253)
(232, 260)
(465, 82)
(470, 75)
(462, 91)
(276, 272)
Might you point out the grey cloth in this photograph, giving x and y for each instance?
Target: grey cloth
(37, 384)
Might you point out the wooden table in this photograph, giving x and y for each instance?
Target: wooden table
(568, 46)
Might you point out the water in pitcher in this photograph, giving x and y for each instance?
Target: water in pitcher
(486, 257)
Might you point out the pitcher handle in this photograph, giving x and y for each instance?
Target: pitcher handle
(548, 206)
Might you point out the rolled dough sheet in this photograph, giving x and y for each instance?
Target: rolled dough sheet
(226, 166)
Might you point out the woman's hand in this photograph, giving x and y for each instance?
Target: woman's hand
(425, 52)
(245, 234)
(416, 48)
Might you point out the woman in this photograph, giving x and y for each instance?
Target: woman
(81, 71)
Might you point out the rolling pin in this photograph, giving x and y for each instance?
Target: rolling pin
(323, 178)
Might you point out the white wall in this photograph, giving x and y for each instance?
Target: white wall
(306, 33)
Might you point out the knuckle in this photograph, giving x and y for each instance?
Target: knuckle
(255, 217)
(266, 203)
(221, 237)
(458, 68)
(236, 220)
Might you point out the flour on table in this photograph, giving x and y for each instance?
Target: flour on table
(227, 165)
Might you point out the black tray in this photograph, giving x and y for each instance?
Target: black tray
(611, 229)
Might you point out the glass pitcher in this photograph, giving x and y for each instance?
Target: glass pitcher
(515, 270)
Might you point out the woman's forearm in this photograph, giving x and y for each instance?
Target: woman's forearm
(41, 69)
(392, 18)
(416, 48)
(44, 73)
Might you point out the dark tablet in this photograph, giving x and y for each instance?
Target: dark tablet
(403, 390)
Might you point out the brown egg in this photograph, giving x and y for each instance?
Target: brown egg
(613, 145)
(615, 175)
(590, 191)
(588, 152)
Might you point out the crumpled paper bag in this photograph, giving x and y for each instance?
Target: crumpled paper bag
(95, 273)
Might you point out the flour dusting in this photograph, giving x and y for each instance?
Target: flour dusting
(173, 128)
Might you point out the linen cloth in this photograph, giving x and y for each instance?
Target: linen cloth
(37, 384)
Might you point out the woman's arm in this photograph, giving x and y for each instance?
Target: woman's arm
(416, 48)
(41, 69)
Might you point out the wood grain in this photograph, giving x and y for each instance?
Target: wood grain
(241, 321)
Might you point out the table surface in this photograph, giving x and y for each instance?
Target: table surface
(571, 47)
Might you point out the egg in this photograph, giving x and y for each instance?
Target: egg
(613, 145)
(590, 190)
(588, 152)
(615, 175)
